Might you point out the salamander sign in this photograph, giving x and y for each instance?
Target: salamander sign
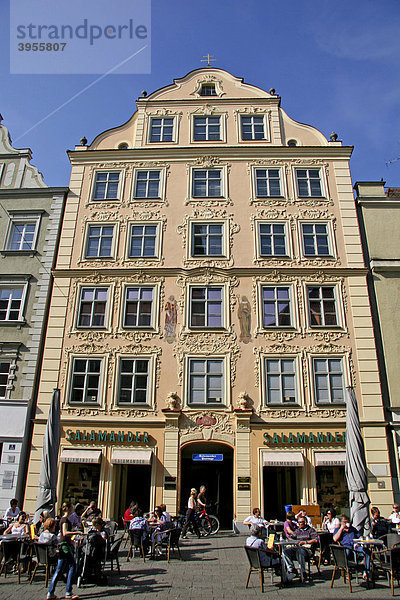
(82, 435)
(284, 439)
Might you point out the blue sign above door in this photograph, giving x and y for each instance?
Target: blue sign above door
(208, 457)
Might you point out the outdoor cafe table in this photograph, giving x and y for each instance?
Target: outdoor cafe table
(367, 543)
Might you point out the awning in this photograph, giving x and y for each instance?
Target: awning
(330, 459)
(282, 459)
(131, 457)
(80, 456)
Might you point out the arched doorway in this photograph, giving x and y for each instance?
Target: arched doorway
(215, 471)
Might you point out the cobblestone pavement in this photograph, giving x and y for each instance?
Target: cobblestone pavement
(213, 568)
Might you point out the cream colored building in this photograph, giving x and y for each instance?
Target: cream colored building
(379, 211)
(210, 307)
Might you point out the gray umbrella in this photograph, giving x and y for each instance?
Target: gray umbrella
(46, 497)
(356, 467)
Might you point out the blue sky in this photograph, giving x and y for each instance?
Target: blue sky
(335, 65)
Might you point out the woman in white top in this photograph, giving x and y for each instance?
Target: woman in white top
(330, 522)
(13, 511)
(191, 514)
(20, 527)
(395, 516)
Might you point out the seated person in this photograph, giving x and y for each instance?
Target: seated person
(394, 517)
(96, 549)
(76, 517)
(255, 541)
(330, 522)
(379, 525)
(49, 537)
(20, 527)
(256, 519)
(158, 519)
(303, 513)
(130, 511)
(166, 515)
(44, 515)
(305, 535)
(290, 524)
(139, 523)
(345, 536)
(91, 511)
(12, 512)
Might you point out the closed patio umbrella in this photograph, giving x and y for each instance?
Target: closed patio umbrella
(46, 497)
(356, 467)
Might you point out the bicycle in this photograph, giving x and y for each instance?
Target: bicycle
(208, 524)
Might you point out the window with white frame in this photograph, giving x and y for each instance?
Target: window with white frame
(139, 307)
(11, 302)
(92, 307)
(252, 127)
(322, 306)
(206, 129)
(207, 183)
(309, 182)
(5, 381)
(328, 380)
(206, 381)
(148, 184)
(208, 89)
(106, 185)
(143, 240)
(134, 377)
(99, 242)
(272, 239)
(22, 233)
(268, 183)
(162, 129)
(276, 306)
(315, 239)
(85, 380)
(206, 307)
(280, 380)
(207, 239)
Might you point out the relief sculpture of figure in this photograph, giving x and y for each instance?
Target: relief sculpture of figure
(244, 314)
(171, 317)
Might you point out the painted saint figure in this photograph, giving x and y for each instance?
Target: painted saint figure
(244, 314)
(171, 317)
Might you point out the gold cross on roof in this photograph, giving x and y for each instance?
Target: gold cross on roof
(207, 58)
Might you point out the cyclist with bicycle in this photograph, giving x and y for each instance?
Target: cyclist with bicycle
(191, 514)
(201, 499)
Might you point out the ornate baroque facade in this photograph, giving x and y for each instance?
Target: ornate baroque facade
(211, 294)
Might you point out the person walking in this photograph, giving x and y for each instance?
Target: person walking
(66, 556)
(190, 514)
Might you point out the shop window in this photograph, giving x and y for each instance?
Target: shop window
(206, 307)
(207, 239)
(272, 239)
(85, 380)
(134, 381)
(106, 185)
(143, 241)
(207, 183)
(162, 129)
(206, 381)
(332, 489)
(148, 184)
(139, 307)
(81, 483)
(276, 306)
(99, 242)
(280, 381)
(92, 307)
(322, 306)
(328, 380)
(316, 239)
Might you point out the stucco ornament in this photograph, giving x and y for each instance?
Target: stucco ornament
(206, 425)
(243, 401)
(173, 400)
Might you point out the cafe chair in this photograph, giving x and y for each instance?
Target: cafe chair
(255, 566)
(322, 551)
(343, 564)
(388, 561)
(126, 531)
(11, 550)
(43, 559)
(169, 542)
(112, 554)
(136, 542)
